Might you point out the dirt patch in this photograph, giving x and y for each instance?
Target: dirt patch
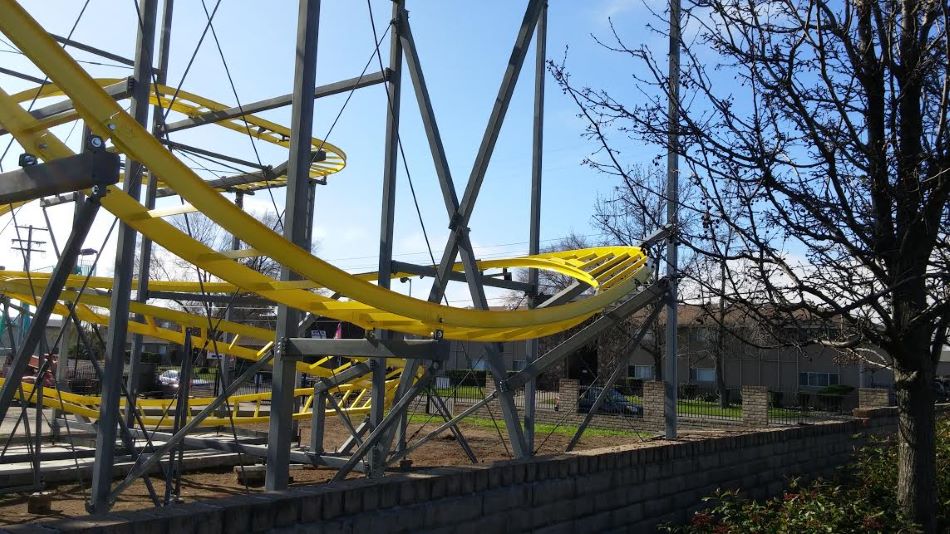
(488, 443)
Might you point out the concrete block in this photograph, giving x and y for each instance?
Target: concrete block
(593, 524)
(626, 515)
(503, 499)
(595, 483)
(332, 504)
(449, 512)
(551, 514)
(414, 491)
(553, 490)
(310, 507)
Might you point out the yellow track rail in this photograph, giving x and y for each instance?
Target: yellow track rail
(354, 399)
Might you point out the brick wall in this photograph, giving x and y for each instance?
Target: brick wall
(873, 398)
(654, 405)
(627, 490)
(617, 489)
(755, 406)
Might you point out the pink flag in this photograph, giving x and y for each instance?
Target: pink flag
(339, 331)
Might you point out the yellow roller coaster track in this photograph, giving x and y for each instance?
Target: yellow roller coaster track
(612, 272)
(370, 306)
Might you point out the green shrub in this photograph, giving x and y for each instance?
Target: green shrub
(837, 389)
(862, 498)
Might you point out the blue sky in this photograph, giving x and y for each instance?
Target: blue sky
(463, 49)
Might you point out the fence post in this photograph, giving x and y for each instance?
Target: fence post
(755, 405)
(567, 394)
(654, 404)
(873, 398)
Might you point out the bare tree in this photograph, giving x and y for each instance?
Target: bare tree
(826, 124)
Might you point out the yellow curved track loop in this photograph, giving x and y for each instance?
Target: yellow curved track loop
(193, 106)
(371, 306)
(354, 400)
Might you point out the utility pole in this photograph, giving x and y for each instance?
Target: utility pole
(672, 219)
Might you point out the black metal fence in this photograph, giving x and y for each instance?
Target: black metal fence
(802, 406)
(705, 401)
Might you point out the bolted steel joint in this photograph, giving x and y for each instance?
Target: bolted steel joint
(27, 160)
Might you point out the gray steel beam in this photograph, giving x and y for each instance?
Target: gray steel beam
(93, 50)
(145, 247)
(122, 284)
(22, 76)
(298, 176)
(427, 349)
(534, 232)
(461, 217)
(642, 299)
(670, 379)
(54, 288)
(216, 155)
(278, 102)
(229, 445)
(73, 173)
(622, 364)
(428, 270)
(386, 226)
(118, 91)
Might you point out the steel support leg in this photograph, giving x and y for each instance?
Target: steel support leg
(318, 422)
(122, 285)
(534, 233)
(145, 247)
(298, 176)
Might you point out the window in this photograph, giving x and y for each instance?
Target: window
(641, 372)
(702, 374)
(817, 379)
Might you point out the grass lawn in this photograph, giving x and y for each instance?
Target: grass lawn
(539, 428)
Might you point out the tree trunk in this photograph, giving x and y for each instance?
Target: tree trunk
(916, 457)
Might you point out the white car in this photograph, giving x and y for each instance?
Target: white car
(172, 377)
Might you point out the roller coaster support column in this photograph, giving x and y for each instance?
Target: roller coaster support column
(122, 285)
(460, 213)
(295, 230)
(534, 238)
(145, 247)
(377, 457)
(670, 379)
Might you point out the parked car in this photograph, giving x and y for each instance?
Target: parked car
(172, 377)
(614, 402)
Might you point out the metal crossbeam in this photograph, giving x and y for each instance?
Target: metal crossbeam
(73, 173)
(642, 299)
(118, 91)
(428, 270)
(621, 368)
(278, 102)
(426, 349)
